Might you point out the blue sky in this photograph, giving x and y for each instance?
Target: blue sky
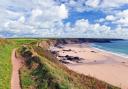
(64, 18)
(92, 16)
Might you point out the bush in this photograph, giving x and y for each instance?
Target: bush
(25, 52)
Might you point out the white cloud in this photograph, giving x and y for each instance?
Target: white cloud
(83, 28)
(122, 18)
(63, 12)
(35, 13)
(41, 18)
(119, 18)
(123, 13)
(93, 3)
(81, 25)
(113, 3)
(21, 19)
(110, 18)
(104, 5)
(25, 18)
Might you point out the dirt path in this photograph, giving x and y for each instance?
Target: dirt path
(16, 63)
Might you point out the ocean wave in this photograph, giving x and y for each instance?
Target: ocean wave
(100, 48)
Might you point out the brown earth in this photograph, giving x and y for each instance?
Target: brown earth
(16, 65)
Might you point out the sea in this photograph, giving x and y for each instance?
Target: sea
(119, 48)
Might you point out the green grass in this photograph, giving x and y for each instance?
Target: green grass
(23, 40)
(6, 47)
(27, 82)
(5, 66)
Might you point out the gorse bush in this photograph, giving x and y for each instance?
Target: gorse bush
(25, 51)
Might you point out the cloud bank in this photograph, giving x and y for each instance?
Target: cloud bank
(45, 18)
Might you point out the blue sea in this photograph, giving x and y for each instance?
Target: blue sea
(116, 47)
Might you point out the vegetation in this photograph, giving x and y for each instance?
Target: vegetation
(43, 71)
(5, 63)
(5, 66)
(19, 41)
(6, 47)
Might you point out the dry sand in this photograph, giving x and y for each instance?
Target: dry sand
(102, 65)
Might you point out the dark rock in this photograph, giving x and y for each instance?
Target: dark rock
(63, 61)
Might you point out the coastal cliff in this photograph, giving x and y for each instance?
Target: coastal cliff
(44, 71)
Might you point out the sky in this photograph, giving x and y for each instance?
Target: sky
(64, 18)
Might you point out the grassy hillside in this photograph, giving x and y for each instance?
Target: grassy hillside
(5, 66)
(5, 63)
(20, 41)
(43, 71)
(6, 47)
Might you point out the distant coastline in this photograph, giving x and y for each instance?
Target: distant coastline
(82, 56)
(94, 42)
(118, 48)
(111, 52)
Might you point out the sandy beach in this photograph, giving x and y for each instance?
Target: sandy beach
(102, 65)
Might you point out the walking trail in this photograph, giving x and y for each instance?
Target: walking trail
(16, 64)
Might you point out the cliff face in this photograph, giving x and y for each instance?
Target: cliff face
(54, 42)
(46, 43)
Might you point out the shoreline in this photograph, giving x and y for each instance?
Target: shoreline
(111, 52)
(97, 63)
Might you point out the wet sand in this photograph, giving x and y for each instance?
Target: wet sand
(102, 65)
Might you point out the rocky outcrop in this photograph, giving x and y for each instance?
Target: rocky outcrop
(46, 43)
